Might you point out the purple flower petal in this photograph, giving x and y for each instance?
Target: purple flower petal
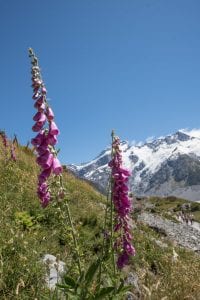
(53, 129)
(50, 114)
(52, 139)
(44, 175)
(56, 167)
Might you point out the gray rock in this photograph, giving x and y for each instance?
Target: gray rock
(133, 280)
(160, 244)
(55, 268)
(184, 235)
(131, 296)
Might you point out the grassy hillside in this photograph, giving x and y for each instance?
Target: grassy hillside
(28, 232)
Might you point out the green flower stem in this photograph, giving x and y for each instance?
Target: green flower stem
(72, 228)
(109, 198)
(104, 229)
(74, 237)
(112, 239)
(111, 214)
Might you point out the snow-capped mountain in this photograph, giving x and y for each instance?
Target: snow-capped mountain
(164, 166)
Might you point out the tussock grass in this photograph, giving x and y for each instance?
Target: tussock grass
(161, 275)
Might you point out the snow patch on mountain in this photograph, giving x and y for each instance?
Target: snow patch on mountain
(167, 165)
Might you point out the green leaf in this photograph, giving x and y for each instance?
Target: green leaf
(124, 289)
(81, 278)
(91, 271)
(103, 292)
(63, 286)
(67, 289)
(121, 285)
(69, 281)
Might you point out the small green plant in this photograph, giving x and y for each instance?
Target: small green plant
(195, 206)
(24, 219)
(87, 287)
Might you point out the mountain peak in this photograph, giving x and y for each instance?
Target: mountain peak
(164, 166)
(195, 133)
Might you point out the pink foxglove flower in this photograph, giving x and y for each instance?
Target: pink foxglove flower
(38, 139)
(46, 138)
(50, 114)
(39, 116)
(39, 107)
(52, 139)
(38, 126)
(44, 175)
(122, 206)
(45, 161)
(53, 129)
(57, 168)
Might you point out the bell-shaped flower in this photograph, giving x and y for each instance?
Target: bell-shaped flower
(40, 107)
(52, 139)
(44, 175)
(56, 166)
(36, 141)
(123, 260)
(45, 200)
(41, 149)
(53, 129)
(49, 114)
(38, 116)
(37, 126)
(41, 119)
(45, 161)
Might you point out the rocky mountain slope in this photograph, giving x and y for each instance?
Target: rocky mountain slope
(164, 166)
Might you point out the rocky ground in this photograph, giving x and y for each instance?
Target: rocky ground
(184, 235)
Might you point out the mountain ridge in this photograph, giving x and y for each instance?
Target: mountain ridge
(164, 166)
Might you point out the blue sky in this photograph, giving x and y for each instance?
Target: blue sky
(128, 65)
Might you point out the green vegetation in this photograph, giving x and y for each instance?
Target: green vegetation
(170, 206)
(28, 232)
(161, 275)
